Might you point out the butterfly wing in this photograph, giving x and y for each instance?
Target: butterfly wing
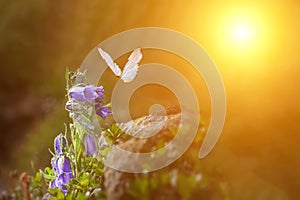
(109, 61)
(130, 74)
(131, 68)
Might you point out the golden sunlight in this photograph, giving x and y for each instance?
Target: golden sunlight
(242, 33)
(238, 33)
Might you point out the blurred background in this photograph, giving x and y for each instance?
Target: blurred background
(255, 45)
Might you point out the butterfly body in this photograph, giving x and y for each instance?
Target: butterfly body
(131, 68)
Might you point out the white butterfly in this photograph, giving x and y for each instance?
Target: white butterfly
(131, 68)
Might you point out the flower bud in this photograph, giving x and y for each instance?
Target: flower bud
(102, 111)
(59, 144)
(73, 105)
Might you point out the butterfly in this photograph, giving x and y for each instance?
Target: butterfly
(131, 68)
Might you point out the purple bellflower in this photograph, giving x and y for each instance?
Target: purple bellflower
(88, 93)
(102, 111)
(62, 180)
(62, 168)
(90, 145)
(61, 165)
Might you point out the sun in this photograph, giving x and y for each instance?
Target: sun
(242, 32)
(241, 35)
(238, 32)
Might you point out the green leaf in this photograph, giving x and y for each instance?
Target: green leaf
(48, 173)
(85, 182)
(60, 195)
(38, 177)
(69, 197)
(81, 196)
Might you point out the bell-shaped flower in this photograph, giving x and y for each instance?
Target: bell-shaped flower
(63, 164)
(62, 180)
(90, 145)
(62, 168)
(86, 93)
(73, 105)
(102, 111)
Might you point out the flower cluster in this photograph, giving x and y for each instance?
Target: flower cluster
(82, 98)
(90, 94)
(82, 160)
(61, 165)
